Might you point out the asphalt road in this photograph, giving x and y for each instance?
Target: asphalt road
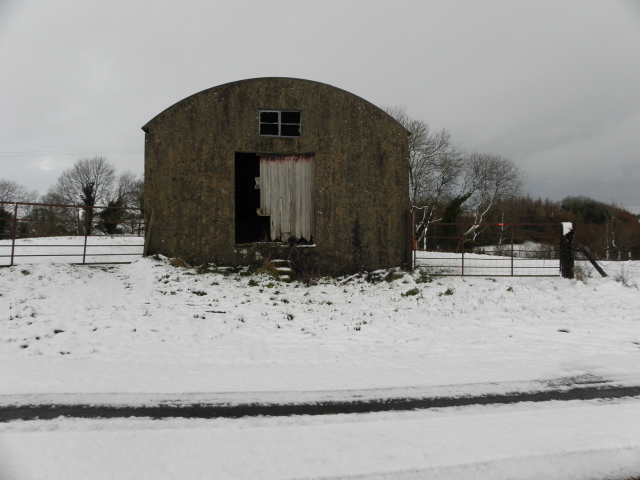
(199, 410)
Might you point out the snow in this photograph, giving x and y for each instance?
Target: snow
(561, 440)
(148, 332)
(567, 227)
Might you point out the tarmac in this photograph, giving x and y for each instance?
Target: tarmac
(185, 409)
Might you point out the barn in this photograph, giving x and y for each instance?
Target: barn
(278, 168)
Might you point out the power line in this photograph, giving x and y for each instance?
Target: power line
(45, 153)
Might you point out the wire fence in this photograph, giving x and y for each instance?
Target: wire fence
(35, 232)
(622, 270)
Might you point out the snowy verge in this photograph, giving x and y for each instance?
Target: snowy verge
(155, 332)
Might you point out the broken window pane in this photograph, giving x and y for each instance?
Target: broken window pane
(280, 123)
(269, 129)
(290, 117)
(290, 130)
(268, 117)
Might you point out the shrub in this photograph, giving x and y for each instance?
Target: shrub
(411, 293)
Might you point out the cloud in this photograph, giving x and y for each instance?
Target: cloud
(551, 85)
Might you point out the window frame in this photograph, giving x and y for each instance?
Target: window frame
(279, 123)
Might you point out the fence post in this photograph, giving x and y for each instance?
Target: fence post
(512, 250)
(587, 253)
(566, 253)
(410, 253)
(14, 233)
(147, 237)
(84, 251)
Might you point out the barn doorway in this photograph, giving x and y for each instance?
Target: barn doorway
(274, 198)
(250, 227)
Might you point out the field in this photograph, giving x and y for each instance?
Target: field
(150, 333)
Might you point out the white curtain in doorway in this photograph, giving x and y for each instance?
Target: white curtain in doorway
(287, 195)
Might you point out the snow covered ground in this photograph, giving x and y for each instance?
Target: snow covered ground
(149, 332)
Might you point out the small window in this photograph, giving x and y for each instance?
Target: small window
(280, 123)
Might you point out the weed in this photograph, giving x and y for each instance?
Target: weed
(424, 278)
(581, 274)
(448, 291)
(411, 293)
(290, 316)
(284, 300)
(178, 262)
(203, 269)
(25, 272)
(510, 289)
(200, 293)
(253, 283)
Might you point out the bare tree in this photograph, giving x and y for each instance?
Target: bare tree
(435, 164)
(618, 236)
(436, 168)
(440, 171)
(11, 191)
(123, 195)
(489, 178)
(87, 183)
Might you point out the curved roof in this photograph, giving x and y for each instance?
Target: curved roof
(145, 126)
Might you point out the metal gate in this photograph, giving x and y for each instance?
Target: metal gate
(34, 232)
(488, 249)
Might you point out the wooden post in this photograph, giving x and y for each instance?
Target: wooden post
(14, 233)
(587, 253)
(512, 254)
(566, 252)
(147, 238)
(410, 240)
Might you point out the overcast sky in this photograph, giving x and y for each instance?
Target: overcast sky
(553, 85)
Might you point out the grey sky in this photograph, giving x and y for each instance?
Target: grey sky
(553, 85)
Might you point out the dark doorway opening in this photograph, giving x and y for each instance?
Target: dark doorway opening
(250, 227)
